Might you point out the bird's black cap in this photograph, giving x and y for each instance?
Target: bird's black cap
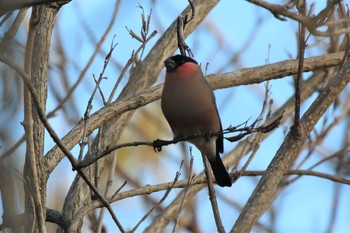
(175, 61)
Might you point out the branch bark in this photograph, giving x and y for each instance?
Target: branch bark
(115, 123)
(262, 197)
(36, 66)
(11, 5)
(241, 77)
(162, 220)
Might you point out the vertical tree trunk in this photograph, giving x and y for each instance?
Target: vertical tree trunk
(36, 65)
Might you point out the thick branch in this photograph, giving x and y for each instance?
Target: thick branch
(54, 136)
(7, 6)
(262, 196)
(147, 72)
(240, 77)
(143, 75)
(243, 147)
(196, 184)
(36, 66)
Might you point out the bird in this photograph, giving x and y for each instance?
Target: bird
(188, 104)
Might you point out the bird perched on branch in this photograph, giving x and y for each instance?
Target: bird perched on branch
(188, 104)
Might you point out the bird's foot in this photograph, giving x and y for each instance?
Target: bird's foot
(157, 145)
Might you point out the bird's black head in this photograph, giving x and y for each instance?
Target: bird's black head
(175, 61)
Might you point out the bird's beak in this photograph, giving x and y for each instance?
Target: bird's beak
(170, 65)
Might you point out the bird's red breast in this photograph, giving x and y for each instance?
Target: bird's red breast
(185, 71)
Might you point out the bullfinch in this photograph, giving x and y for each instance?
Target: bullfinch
(188, 104)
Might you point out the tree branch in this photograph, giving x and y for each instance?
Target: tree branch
(142, 76)
(198, 183)
(240, 77)
(282, 12)
(56, 139)
(262, 196)
(11, 5)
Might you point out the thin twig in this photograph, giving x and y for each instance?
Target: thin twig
(88, 109)
(299, 77)
(312, 23)
(193, 12)
(89, 63)
(241, 77)
(168, 190)
(119, 189)
(338, 154)
(158, 144)
(262, 196)
(11, 32)
(190, 179)
(266, 106)
(56, 139)
(181, 25)
(146, 190)
(128, 64)
(108, 186)
(212, 195)
(12, 149)
(183, 47)
(334, 212)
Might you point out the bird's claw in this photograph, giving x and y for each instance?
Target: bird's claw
(157, 145)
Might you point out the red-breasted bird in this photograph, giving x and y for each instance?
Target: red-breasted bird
(188, 104)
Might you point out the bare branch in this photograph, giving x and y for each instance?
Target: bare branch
(178, 173)
(199, 183)
(241, 77)
(311, 23)
(158, 144)
(261, 198)
(212, 196)
(299, 77)
(56, 139)
(11, 5)
(185, 191)
(88, 64)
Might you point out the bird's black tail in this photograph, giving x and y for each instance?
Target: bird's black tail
(221, 176)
